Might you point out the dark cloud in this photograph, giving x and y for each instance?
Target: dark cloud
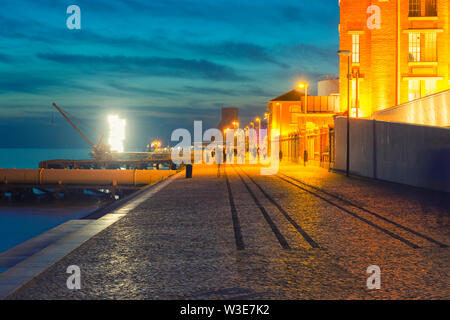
(235, 50)
(306, 52)
(140, 90)
(24, 83)
(4, 58)
(210, 91)
(152, 66)
(306, 15)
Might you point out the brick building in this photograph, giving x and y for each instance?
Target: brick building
(302, 129)
(405, 58)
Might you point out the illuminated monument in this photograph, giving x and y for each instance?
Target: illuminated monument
(403, 58)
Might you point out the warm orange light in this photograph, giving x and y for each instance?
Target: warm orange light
(156, 144)
(303, 85)
(258, 119)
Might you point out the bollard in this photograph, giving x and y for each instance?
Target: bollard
(188, 171)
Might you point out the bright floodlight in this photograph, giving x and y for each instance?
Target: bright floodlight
(116, 132)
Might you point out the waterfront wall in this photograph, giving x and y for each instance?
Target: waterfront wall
(409, 154)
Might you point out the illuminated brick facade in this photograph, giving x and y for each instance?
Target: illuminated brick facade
(406, 58)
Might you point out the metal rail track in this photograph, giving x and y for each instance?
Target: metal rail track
(281, 239)
(297, 227)
(334, 200)
(234, 216)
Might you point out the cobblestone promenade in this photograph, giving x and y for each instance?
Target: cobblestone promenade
(302, 234)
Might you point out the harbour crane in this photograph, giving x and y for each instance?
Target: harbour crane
(99, 151)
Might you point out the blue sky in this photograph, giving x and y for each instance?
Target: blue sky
(161, 64)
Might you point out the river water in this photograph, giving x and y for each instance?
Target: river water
(22, 221)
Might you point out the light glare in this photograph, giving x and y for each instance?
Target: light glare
(116, 133)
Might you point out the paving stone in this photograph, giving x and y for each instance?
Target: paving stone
(180, 243)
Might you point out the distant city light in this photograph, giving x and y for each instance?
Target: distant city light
(156, 144)
(116, 133)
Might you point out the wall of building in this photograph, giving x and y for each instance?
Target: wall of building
(384, 150)
(432, 110)
(384, 68)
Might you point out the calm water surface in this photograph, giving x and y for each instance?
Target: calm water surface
(22, 221)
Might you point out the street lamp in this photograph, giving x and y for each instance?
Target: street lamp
(304, 85)
(258, 121)
(347, 53)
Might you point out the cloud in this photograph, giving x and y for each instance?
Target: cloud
(24, 83)
(4, 58)
(234, 50)
(152, 66)
(133, 89)
(209, 90)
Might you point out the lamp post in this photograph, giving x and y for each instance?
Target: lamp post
(258, 121)
(347, 53)
(305, 86)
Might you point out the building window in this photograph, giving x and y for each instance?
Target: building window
(414, 90)
(414, 47)
(430, 54)
(430, 87)
(430, 8)
(295, 111)
(355, 48)
(414, 8)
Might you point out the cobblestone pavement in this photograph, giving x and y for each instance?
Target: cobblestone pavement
(309, 238)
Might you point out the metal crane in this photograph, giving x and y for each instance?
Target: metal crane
(99, 151)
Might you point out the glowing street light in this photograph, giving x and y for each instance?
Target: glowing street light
(258, 121)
